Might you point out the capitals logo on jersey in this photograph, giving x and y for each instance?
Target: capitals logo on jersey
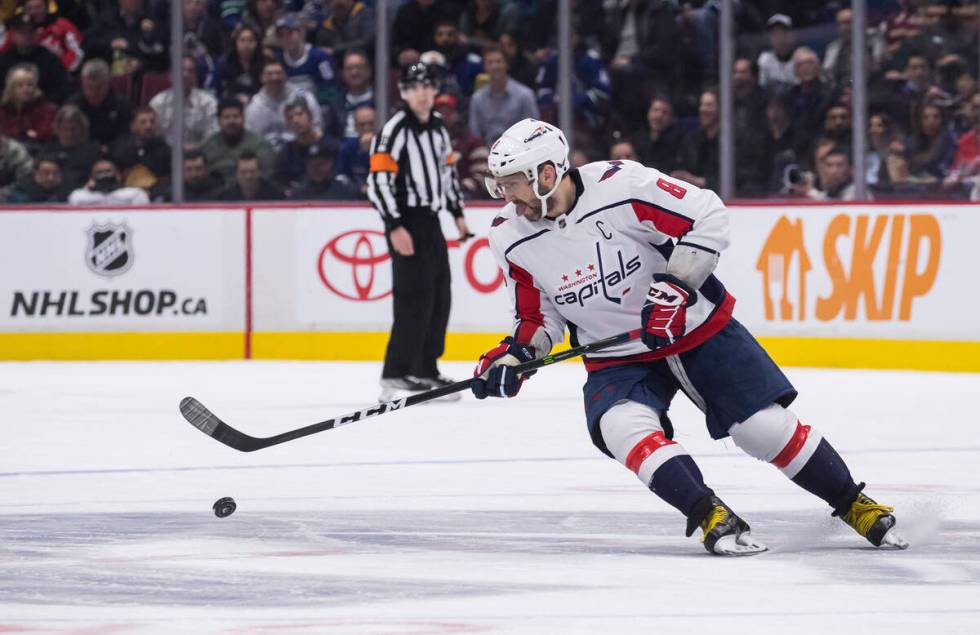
(590, 282)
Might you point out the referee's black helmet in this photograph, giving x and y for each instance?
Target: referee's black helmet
(418, 73)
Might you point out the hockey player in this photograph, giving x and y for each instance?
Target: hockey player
(614, 246)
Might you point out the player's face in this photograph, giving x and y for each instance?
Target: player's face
(515, 188)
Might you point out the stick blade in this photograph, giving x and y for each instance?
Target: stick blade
(198, 415)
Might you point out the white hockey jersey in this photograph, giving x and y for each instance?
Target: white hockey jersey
(590, 269)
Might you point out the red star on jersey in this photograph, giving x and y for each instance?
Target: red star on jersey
(591, 267)
(564, 278)
(578, 272)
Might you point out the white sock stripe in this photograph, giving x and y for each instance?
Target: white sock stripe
(503, 380)
(657, 459)
(809, 447)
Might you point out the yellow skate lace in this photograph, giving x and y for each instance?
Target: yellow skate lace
(864, 513)
(718, 515)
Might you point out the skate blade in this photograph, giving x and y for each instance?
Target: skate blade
(742, 545)
(893, 540)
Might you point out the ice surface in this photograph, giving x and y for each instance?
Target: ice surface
(473, 517)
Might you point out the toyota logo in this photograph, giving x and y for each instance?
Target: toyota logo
(348, 264)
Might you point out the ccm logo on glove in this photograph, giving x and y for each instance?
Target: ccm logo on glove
(665, 310)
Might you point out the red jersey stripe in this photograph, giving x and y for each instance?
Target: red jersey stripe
(670, 223)
(528, 309)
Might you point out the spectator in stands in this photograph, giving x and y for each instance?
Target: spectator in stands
(578, 158)
(781, 150)
(590, 87)
(483, 21)
(349, 27)
(291, 160)
(750, 125)
(961, 108)
(469, 151)
(263, 15)
(222, 149)
(520, 65)
(44, 186)
(127, 34)
(108, 112)
(917, 89)
(776, 65)
(622, 150)
(658, 146)
(881, 136)
(25, 114)
(356, 73)
(238, 73)
(837, 57)
(143, 154)
(319, 182)
(25, 48)
(353, 158)
(413, 29)
(249, 185)
(199, 183)
(965, 171)
(932, 147)
(837, 182)
(15, 164)
(265, 115)
(200, 107)
(811, 96)
(202, 28)
(837, 125)
(905, 24)
(105, 187)
(73, 148)
(462, 64)
(307, 67)
(57, 34)
(641, 40)
(502, 102)
(698, 158)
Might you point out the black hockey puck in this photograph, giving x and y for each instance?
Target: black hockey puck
(224, 507)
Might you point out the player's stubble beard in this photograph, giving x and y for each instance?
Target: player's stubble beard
(529, 211)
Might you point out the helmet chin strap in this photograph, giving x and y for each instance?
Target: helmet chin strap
(543, 197)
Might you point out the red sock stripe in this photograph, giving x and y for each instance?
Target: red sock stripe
(793, 447)
(650, 444)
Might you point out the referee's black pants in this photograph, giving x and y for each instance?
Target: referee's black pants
(421, 300)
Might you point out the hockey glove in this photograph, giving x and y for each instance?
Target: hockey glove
(494, 375)
(665, 310)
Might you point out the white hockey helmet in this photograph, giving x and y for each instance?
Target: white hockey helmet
(524, 148)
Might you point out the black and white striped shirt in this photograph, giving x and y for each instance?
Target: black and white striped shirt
(413, 169)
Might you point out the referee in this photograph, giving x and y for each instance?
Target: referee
(412, 178)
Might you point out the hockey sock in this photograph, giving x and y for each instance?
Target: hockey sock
(680, 484)
(826, 475)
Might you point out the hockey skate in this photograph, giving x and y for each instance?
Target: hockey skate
(725, 534)
(438, 381)
(873, 521)
(400, 387)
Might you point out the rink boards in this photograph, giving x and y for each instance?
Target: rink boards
(872, 286)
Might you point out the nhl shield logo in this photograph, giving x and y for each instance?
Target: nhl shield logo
(109, 251)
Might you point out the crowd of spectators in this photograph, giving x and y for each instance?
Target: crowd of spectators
(278, 95)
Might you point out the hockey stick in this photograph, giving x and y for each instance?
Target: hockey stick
(207, 422)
